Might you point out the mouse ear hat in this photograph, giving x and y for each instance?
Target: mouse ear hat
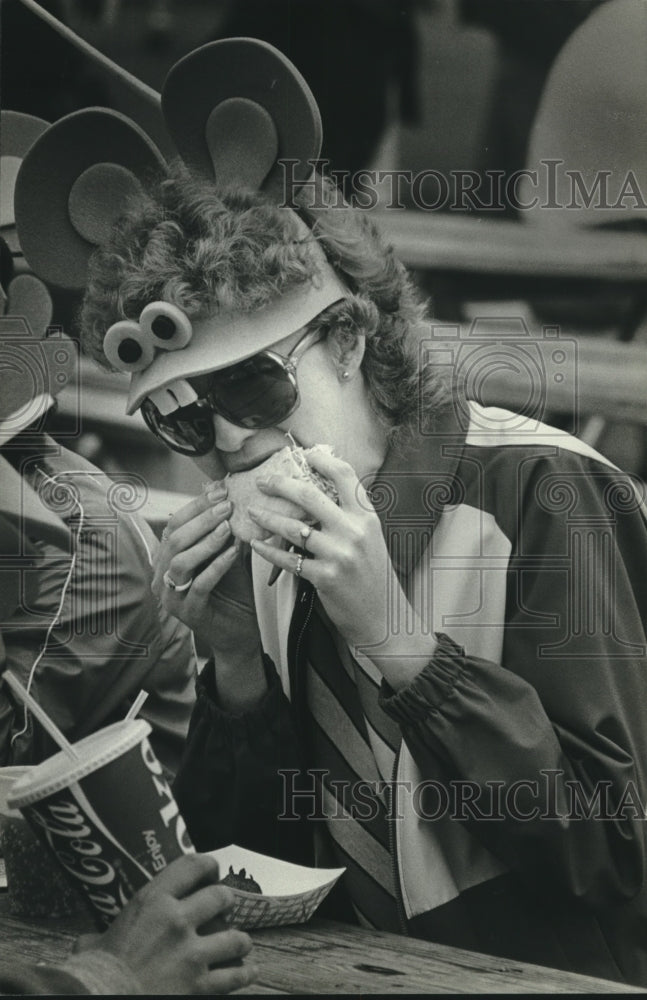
(235, 109)
(74, 184)
(18, 133)
(23, 294)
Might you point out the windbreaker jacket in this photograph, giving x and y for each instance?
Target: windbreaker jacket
(89, 634)
(521, 786)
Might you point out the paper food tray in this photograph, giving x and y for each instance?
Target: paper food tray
(291, 893)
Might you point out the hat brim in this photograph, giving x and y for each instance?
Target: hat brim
(52, 245)
(224, 339)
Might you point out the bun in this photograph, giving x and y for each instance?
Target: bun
(243, 491)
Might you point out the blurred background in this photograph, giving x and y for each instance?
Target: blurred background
(458, 87)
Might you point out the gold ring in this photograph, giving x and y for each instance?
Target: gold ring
(172, 585)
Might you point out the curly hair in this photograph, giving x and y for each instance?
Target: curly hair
(204, 250)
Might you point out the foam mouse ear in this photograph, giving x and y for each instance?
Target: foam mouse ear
(237, 106)
(18, 133)
(73, 185)
(28, 297)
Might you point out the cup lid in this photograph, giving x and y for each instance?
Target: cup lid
(60, 771)
(8, 778)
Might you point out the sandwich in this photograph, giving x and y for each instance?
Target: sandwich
(243, 491)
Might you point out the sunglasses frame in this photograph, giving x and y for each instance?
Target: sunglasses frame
(288, 362)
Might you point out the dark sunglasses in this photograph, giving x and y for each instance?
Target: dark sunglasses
(258, 392)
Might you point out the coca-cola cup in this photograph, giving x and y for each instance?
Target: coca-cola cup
(36, 885)
(110, 818)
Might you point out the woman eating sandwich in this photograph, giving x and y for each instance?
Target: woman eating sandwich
(401, 681)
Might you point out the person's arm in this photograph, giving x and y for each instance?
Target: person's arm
(241, 734)
(91, 635)
(20, 979)
(551, 714)
(213, 594)
(92, 972)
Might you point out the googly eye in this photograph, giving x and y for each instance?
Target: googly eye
(127, 347)
(169, 327)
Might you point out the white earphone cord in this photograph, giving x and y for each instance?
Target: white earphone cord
(55, 620)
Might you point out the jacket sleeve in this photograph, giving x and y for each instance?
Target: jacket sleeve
(89, 973)
(230, 786)
(89, 633)
(552, 740)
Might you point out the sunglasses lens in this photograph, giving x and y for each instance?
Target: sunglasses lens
(255, 393)
(188, 430)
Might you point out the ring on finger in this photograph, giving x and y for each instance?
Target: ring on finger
(305, 533)
(172, 585)
(299, 566)
(165, 533)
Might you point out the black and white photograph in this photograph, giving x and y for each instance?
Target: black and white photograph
(323, 497)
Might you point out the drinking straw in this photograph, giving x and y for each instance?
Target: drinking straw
(136, 705)
(40, 714)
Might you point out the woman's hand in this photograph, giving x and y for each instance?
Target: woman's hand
(197, 548)
(349, 565)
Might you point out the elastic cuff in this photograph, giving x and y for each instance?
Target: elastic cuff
(103, 973)
(433, 685)
(264, 712)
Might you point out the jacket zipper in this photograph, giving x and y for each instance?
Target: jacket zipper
(296, 679)
(391, 821)
(304, 626)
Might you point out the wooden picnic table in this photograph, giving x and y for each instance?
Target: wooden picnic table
(324, 957)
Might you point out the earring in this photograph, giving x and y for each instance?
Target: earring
(345, 376)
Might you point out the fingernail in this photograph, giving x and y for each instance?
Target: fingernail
(254, 513)
(262, 482)
(222, 508)
(222, 529)
(216, 491)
